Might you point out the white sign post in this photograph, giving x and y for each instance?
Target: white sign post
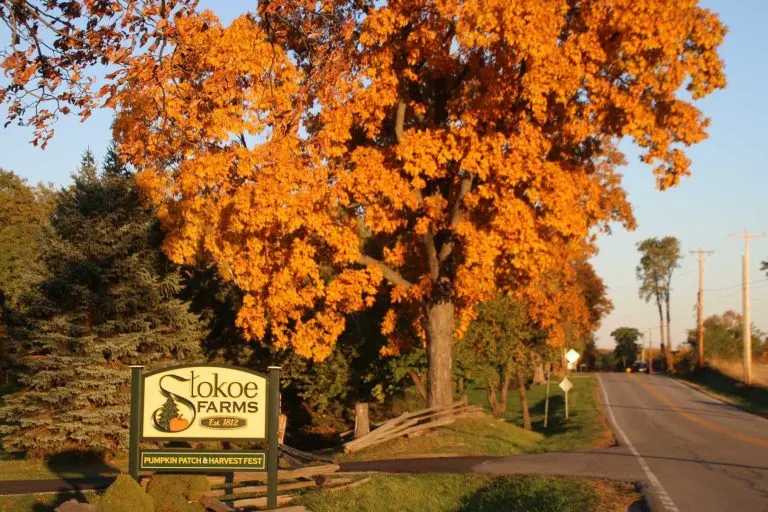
(566, 386)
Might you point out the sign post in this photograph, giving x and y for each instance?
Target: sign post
(272, 428)
(211, 402)
(133, 442)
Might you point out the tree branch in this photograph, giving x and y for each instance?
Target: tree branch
(456, 215)
(400, 120)
(429, 246)
(390, 274)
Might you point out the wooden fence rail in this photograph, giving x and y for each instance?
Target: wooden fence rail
(410, 423)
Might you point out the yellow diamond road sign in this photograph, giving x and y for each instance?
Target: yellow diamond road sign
(566, 385)
(572, 356)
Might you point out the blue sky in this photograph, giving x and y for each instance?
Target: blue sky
(726, 193)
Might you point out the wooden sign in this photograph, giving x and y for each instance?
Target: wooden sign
(205, 402)
(210, 402)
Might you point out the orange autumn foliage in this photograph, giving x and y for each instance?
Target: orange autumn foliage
(316, 151)
(54, 51)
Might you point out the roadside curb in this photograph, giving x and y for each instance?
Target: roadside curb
(720, 398)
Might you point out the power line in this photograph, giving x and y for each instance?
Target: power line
(733, 286)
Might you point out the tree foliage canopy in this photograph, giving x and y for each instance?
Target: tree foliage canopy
(318, 153)
(723, 337)
(24, 218)
(626, 344)
(446, 148)
(658, 260)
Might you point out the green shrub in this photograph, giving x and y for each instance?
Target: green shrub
(172, 493)
(532, 494)
(124, 495)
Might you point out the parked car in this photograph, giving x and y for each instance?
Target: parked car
(639, 367)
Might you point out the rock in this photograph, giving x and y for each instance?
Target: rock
(75, 506)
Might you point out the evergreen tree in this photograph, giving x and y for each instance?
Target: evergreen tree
(112, 300)
(169, 412)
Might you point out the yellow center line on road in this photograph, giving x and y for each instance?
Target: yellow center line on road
(709, 426)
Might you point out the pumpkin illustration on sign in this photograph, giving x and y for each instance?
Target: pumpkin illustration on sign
(170, 419)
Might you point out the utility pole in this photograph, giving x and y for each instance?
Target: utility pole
(700, 304)
(746, 321)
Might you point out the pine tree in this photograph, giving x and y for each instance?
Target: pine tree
(112, 300)
(169, 412)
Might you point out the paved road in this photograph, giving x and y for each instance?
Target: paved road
(697, 454)
(692, 453)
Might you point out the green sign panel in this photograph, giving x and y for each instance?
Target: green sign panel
(217, 460)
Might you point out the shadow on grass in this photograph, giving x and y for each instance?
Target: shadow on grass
(79, 470)
(556, 423)
(753, 397)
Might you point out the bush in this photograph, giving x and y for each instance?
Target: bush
(685, 361)
(532, 494)
(172, 493)
(125, 495)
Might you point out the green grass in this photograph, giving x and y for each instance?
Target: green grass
(39, 502)
(475, 493)
(750, 398)
(585, 428)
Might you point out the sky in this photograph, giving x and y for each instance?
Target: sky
(725, 195)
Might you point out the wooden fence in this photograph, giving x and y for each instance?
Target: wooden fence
(246, 490)
(411, 423)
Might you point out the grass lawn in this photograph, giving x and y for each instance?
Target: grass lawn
(475, 493)
(585, 428)
(39, 502)
(750, 398)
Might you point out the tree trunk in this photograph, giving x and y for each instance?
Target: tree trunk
(362, 425)
(419, 383)
(439, 354)
(460, 386)
(668, 353)
(492, 401)
(538, 374)
(524, 401)
(504, 392)
(661, 328)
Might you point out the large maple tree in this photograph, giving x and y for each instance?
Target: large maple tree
(317, 151)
